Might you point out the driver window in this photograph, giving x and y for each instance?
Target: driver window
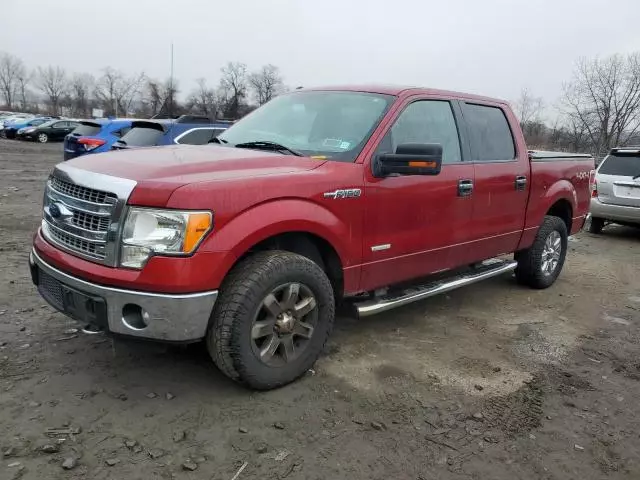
(426, 121)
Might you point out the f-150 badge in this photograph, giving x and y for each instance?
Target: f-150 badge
(343, 193)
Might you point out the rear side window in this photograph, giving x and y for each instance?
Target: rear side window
(122, 132)
(142, 137)
(628, 166)
(87, 129)
(489, 133)
(201, 136)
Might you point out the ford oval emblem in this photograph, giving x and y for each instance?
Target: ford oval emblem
(54, 211)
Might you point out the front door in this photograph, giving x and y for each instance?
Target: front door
(417, 225)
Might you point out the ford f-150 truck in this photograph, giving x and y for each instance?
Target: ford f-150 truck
(372, 196)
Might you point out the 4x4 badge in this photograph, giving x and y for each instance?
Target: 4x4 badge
(343, 193)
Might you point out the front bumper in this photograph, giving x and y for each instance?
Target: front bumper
(614, 213)
(162, 317)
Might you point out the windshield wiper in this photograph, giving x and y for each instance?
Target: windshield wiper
(637, 176)
(266, 145)
(217, 140)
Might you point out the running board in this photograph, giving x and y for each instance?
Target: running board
(487, 269)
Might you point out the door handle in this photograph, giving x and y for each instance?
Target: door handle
(521, 182)
(465, 187)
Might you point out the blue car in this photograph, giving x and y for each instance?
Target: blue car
(95, 136)
(187, 129)
(11, 129)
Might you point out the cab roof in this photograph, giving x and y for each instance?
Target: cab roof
(403, 91)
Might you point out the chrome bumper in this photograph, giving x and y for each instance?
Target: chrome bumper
(614, 213)
(154, 316)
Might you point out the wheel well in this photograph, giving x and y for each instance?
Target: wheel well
(562, 209)
(311, 246)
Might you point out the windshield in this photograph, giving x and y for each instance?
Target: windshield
(627, 165)
(331, 125)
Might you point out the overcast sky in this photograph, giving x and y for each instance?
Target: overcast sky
(492, 47)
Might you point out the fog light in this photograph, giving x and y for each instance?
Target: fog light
(135, 317)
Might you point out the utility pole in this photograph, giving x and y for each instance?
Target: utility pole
(171, 85)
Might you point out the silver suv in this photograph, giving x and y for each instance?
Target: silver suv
(616, 192)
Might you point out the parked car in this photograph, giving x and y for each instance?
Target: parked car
(94, 136)
(11, 129)
(616, 192)
(187, 129)
(357, 194)
(8, 121)
(50, 130)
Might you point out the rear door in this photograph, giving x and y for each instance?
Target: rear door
(501, 185)
(618, 178)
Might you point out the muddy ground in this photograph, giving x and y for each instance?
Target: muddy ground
(494, 381)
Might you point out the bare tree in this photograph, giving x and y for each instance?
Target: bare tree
(527, 107)
(266, 83)
(203, 99)
(53, 83)
(159, 98)
(23, 79)
(233, 85)
(603, 99)
(11, 67)
(118, 93)
(81, 87)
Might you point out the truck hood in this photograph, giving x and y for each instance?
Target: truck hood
(158, 171)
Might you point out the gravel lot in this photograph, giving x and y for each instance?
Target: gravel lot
(491, 382)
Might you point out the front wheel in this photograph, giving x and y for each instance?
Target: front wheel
(272, 319)
(540, 265)
(43, 138)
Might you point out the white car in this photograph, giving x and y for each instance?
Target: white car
(616, 192)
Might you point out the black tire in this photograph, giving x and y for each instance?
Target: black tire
(531, 263)
(230, 341)
(596, 225)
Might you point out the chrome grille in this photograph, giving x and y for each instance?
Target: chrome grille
(91, 222)
(90, 248)
(82, 193)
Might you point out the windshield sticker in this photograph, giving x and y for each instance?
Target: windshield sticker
(332, 142)
(345, 145)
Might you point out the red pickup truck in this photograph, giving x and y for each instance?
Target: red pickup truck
(374, 196)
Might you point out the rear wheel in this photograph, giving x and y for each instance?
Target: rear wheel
(596, 225)
(540, 265)
(43, 137)
(272, 319)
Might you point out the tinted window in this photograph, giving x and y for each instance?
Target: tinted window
(425, 122)
(142, 137)
(620, 165)
(87, 129)
(60, 125)
(35, 123)
(489, 133)
(120, 133)
(200, 136)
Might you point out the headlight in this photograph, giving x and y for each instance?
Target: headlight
(165, 232)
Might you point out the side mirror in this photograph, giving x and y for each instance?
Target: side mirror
(410, 159)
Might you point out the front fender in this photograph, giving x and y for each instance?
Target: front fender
(268, 219)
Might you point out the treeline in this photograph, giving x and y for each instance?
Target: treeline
(599, 108)
(53, 90)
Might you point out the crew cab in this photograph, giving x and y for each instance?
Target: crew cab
(374, 196)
